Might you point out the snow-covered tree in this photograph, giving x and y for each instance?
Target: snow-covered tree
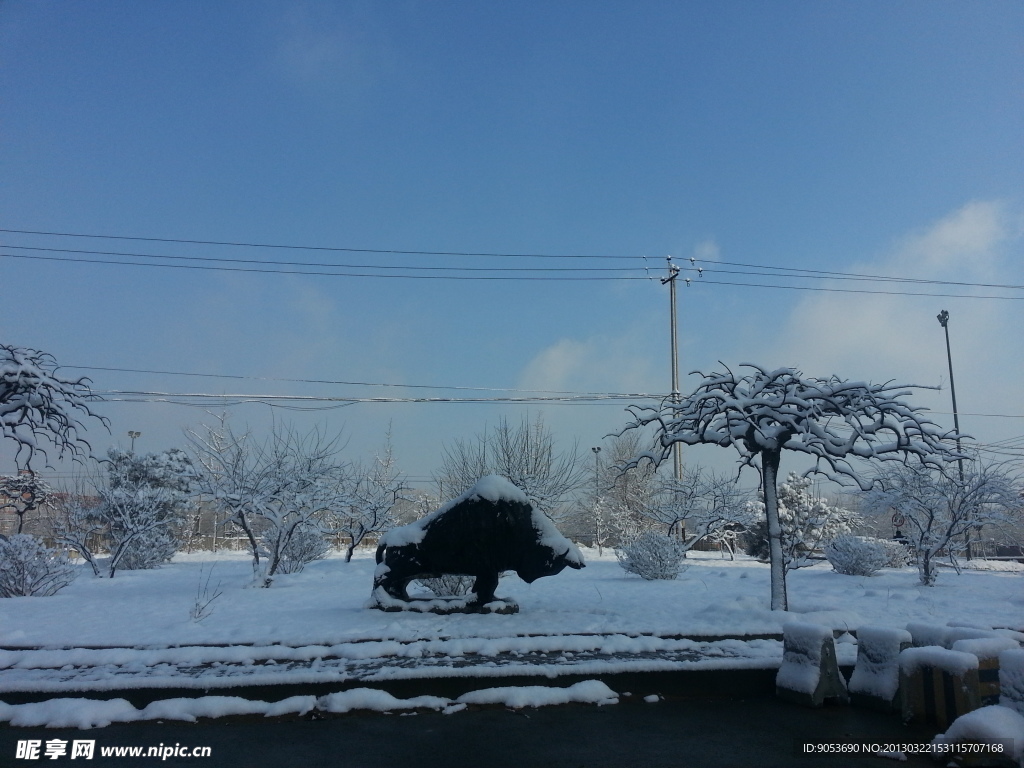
(138, 531)
(938, 508)
(278, 493)
(76, 524)
(230, 476)
(136, 515)
(29, 568)
(40, 408)
(371, 499)
(145, 504)
(22, 493)
(767, 412)
(525, 454)
(709, 503)
(807, 521)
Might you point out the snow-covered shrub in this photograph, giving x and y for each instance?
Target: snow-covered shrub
(29, 568)
(897, 555)
(652, 555)
(806, 520)
(302, 548)
(856, 555)
(449, 585)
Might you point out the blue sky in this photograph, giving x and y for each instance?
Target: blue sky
(855, 137)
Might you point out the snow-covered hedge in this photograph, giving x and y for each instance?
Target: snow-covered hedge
(857, 555)
(30, 568)
(897, 555)
(652, 555)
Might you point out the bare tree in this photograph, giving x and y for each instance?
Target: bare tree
(371, 500)
(525, 454)
(937, 508)
(38, 405)
(75, 523)
(230, 476)
(709, 502)
(278, 492)
(767, 412)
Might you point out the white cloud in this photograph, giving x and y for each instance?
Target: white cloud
(598, 364)
(883, 337)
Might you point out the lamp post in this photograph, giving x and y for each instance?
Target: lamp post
(133, 434)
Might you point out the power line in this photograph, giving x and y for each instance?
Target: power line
(337, 249)
(333, 265)
(353, 383)
(574, 278)
(770, 269)
(788, 271)
(151, 396)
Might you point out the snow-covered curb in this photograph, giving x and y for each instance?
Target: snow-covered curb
(215, 667)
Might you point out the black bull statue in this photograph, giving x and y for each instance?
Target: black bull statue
(476, 536)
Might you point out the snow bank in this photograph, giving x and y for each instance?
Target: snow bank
(987, 725)
(93, 713)
(517, 697)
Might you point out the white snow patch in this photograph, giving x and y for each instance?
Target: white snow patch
(517, 697)
(986, 647)
(954, 662)
(987, 725)
(93, 713)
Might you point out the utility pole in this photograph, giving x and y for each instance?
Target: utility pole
(673, 273)
(943, 318)
(598, 511)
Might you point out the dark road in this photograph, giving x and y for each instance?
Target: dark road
(678, 731)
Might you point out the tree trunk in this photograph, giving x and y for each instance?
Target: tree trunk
(769, 485)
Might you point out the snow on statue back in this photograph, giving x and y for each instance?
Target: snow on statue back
(489, 529)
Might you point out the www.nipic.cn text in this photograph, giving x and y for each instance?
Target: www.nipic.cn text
(85, 749)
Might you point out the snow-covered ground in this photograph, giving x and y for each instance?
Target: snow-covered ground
(325, 604)
(137, 629)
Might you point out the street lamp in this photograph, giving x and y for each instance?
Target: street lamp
(133, 434)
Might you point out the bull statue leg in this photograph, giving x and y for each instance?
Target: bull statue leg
(484, 587)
